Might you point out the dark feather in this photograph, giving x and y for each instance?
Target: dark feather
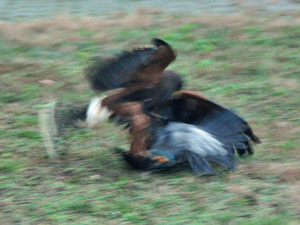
(138, 67)
(192, 108)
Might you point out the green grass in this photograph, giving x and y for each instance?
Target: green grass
(252, 68)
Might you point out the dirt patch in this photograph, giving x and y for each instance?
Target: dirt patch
(287, 172)
(67, 28)
(18, 64)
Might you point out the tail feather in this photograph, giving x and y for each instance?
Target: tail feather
(199, 164)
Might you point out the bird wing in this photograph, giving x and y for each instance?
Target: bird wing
(186, 142)
(194, 130)
(142, 66)
(192, 108)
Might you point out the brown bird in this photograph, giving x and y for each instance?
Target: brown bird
(141, 82)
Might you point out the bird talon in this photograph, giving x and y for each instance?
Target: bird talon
(160, 159)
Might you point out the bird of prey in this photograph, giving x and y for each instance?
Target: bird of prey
(168, 126)
(141, 82)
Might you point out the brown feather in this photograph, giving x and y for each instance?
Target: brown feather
(139, 123)
(142, 66)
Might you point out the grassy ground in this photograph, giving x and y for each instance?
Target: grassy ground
(242, 62)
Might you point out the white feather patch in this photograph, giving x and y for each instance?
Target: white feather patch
(212, 145)
(96, 112)
(196, 140)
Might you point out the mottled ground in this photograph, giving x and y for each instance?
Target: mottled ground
(247, 63)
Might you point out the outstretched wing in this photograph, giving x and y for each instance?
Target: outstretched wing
(142, 66)
(215, 140)
(192, 108)
(194, 130)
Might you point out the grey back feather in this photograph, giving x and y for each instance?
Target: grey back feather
(215, 140)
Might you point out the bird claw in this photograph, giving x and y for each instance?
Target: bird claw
(160, 159)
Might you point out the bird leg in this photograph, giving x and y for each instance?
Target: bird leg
(140, 135)
(139, 125)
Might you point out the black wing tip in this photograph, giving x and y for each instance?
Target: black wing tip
(159, 42)
(95, 84)
(256, 139)
(92, 76)
(249, 132)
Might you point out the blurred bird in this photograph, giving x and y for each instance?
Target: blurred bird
(140, 82)
(190, 128)
(168, 126)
